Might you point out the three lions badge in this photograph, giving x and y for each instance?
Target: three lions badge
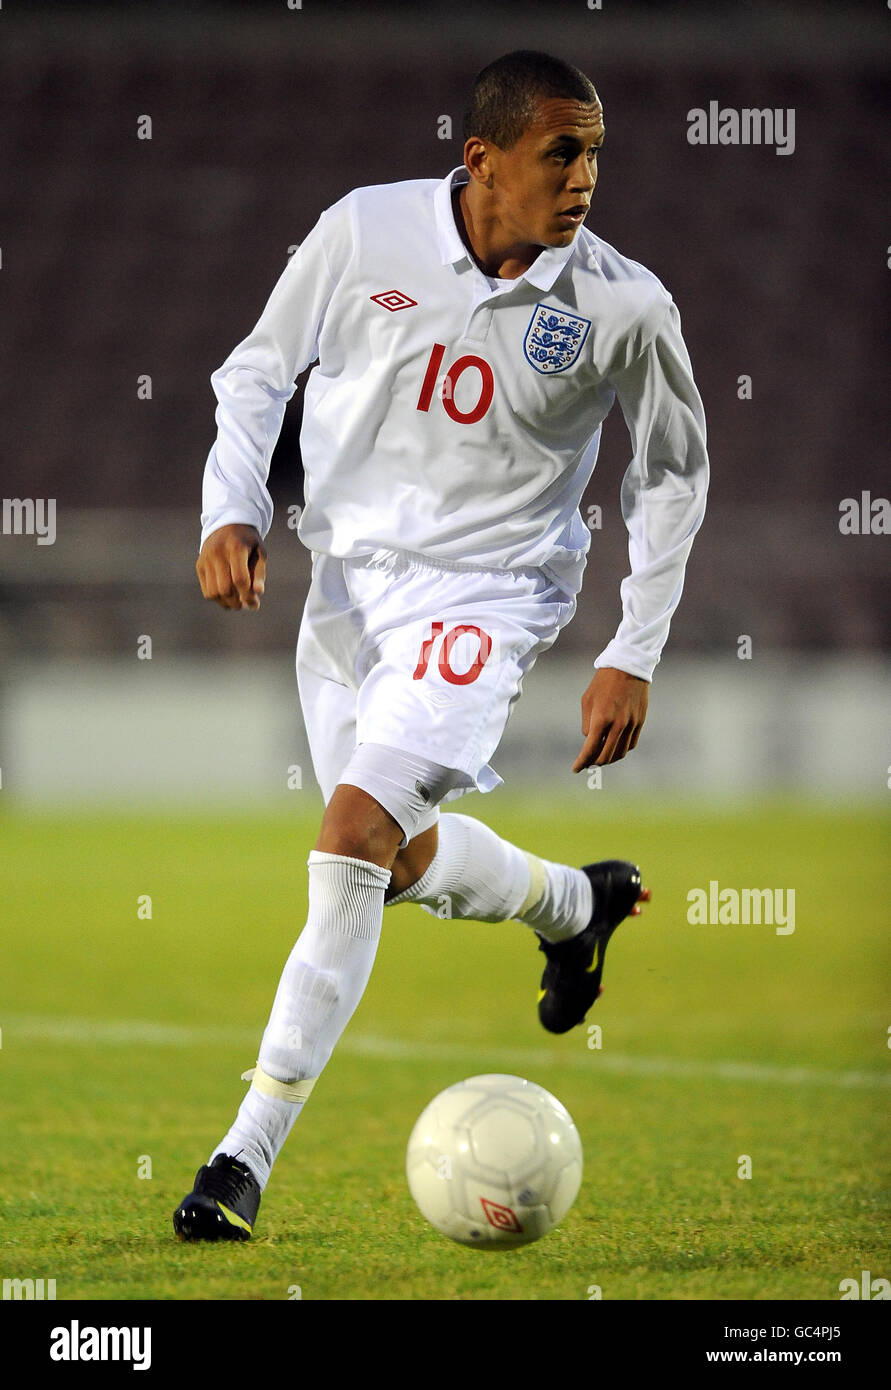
(554, 338)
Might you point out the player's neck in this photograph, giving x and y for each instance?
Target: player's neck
(485, 240)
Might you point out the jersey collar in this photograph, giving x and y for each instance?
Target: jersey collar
(544, 269)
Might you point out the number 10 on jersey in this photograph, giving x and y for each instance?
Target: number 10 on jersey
(452, 377)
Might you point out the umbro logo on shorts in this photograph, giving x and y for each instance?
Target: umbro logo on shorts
(393, 300)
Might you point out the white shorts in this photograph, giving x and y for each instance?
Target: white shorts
(395, 650)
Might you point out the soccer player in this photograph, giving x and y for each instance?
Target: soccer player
(470, 336)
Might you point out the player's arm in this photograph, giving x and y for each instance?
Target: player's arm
(253, 387)
(663, 503)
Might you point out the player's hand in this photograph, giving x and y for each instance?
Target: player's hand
(614, 708)
(232, 567)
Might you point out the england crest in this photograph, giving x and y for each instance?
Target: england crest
(554, 338)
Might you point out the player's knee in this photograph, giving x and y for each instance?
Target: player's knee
(385, 791)
(357, 826)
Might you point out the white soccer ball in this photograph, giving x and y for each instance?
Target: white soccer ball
(494, 1162)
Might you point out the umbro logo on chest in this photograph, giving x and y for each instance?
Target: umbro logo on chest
(393, 300)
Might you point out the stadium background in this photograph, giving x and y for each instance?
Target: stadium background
(140, 947)
(125, 258)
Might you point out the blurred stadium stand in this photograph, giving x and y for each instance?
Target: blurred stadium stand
(123, 257)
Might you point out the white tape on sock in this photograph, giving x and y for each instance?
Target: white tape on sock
(537, 882)
(278, 1090)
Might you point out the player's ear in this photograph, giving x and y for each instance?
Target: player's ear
(478, 160)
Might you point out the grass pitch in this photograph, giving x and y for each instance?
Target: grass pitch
(124, 1036)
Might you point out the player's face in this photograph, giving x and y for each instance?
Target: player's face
(544, 182)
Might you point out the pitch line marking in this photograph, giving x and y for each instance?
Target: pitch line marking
(51, 1028)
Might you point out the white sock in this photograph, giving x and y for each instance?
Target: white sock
(321, 985)
(476, 874)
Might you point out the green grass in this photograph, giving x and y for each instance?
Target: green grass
(662, 1213)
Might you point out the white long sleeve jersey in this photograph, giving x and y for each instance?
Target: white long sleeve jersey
(457, 418)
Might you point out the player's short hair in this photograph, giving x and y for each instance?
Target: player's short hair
(506, 92)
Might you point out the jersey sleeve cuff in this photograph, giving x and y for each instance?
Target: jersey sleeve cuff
(622, 658)
(237, 516)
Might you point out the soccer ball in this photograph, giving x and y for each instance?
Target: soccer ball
(494, 1162)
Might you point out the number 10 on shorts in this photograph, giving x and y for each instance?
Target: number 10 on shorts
(447, 641)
